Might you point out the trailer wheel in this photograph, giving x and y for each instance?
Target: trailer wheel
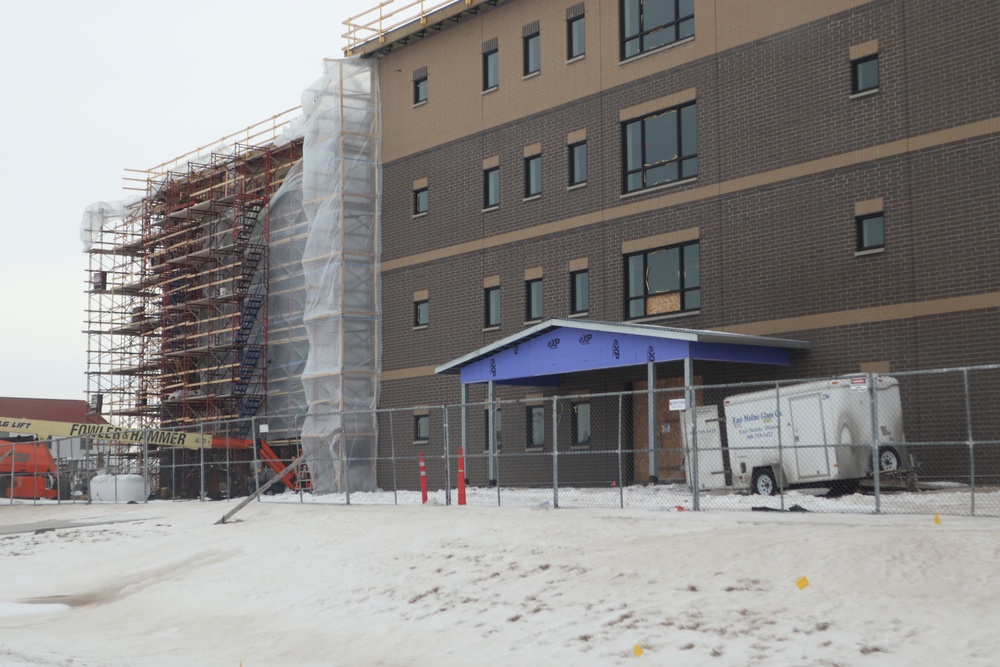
(763, 482)
(888, 459)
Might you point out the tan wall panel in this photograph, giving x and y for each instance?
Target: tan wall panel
(866, 49)
(491, 281)
(533, 273)
(457, 108)
(658, 104)
(578, 264)
(421, 295)
(875, 367)
(659, 240)
(420, 183)
(868, 207)
(576, 137)
(532, 150)
(491, 162)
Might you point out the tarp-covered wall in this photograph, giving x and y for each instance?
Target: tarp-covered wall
(324, 301)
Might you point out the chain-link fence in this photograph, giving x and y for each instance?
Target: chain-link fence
(909, 442)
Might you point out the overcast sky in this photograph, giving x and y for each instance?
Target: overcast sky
(92, 88)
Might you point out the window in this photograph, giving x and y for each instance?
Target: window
(532, 53)
(497, 428)
(533, 300)
(421, 428)
(421, 313)
(420, 90)
(661, 148)
(576, 37)
(492, 306)
(864, 75)
(579, 288)
(581, 424)
(662, 281)
(491, 69)
(578, 164)
(871, 232)
(532, 176)
(536, 426)
(491, 187)
(650, 24)
(420, 201)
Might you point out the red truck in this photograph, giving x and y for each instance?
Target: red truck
(27, 470)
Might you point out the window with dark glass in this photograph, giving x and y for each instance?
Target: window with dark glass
(650, 24)
(532, 53)
(576, 37)
(871, 232)
(864, 74)
(491, 300)
(533, 300)
(663, 281)
(579, 282)
(421, 428)
(533, 176)
(497, 428)
(536, 426)
(491, 69)
(660, 148)
(420, 201)
(491, 187)
(420, 90)
(578, 163)
(421, 313)
(581, 424)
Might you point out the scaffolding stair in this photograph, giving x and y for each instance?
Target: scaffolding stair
(248, 224)
(248, 364)
(250, 406)
(251, 306)
(251, 260)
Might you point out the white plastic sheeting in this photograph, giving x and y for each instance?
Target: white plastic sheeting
(95, 217)
(324, 304)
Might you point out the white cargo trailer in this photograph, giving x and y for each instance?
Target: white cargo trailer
(812, 434)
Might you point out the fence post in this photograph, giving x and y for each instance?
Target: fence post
(344, 459)
(877, 465)
(255, 436)
(651, 420)
(555, 452)
(780, 472)
(692, 405)
(201, 452)
(392, 457)
(145, 465)
(447, 459)
(972, 448)
(621, 491)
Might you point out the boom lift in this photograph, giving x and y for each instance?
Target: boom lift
(27, 470)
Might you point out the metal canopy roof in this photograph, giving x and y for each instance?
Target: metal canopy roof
(539, 354)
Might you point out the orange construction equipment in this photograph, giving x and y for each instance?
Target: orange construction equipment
(27, 470)
(268, 456)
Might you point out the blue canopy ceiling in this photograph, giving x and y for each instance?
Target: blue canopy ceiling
(539, 354)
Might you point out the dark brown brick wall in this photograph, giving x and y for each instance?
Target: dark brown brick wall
(778, 251)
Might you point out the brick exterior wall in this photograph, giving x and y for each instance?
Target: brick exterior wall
(783, 249)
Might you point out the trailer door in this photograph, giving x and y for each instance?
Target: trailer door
(811, 457)
(711, 466)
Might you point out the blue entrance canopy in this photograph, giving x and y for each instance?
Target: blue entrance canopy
(539, 354)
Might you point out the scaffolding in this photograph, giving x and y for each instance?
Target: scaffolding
(245, 282)
(177, 285)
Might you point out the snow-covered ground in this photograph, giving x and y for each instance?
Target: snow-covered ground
(290, 583)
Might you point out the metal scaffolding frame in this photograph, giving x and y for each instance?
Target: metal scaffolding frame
(177, 285)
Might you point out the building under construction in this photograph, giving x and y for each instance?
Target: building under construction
(243, 282)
